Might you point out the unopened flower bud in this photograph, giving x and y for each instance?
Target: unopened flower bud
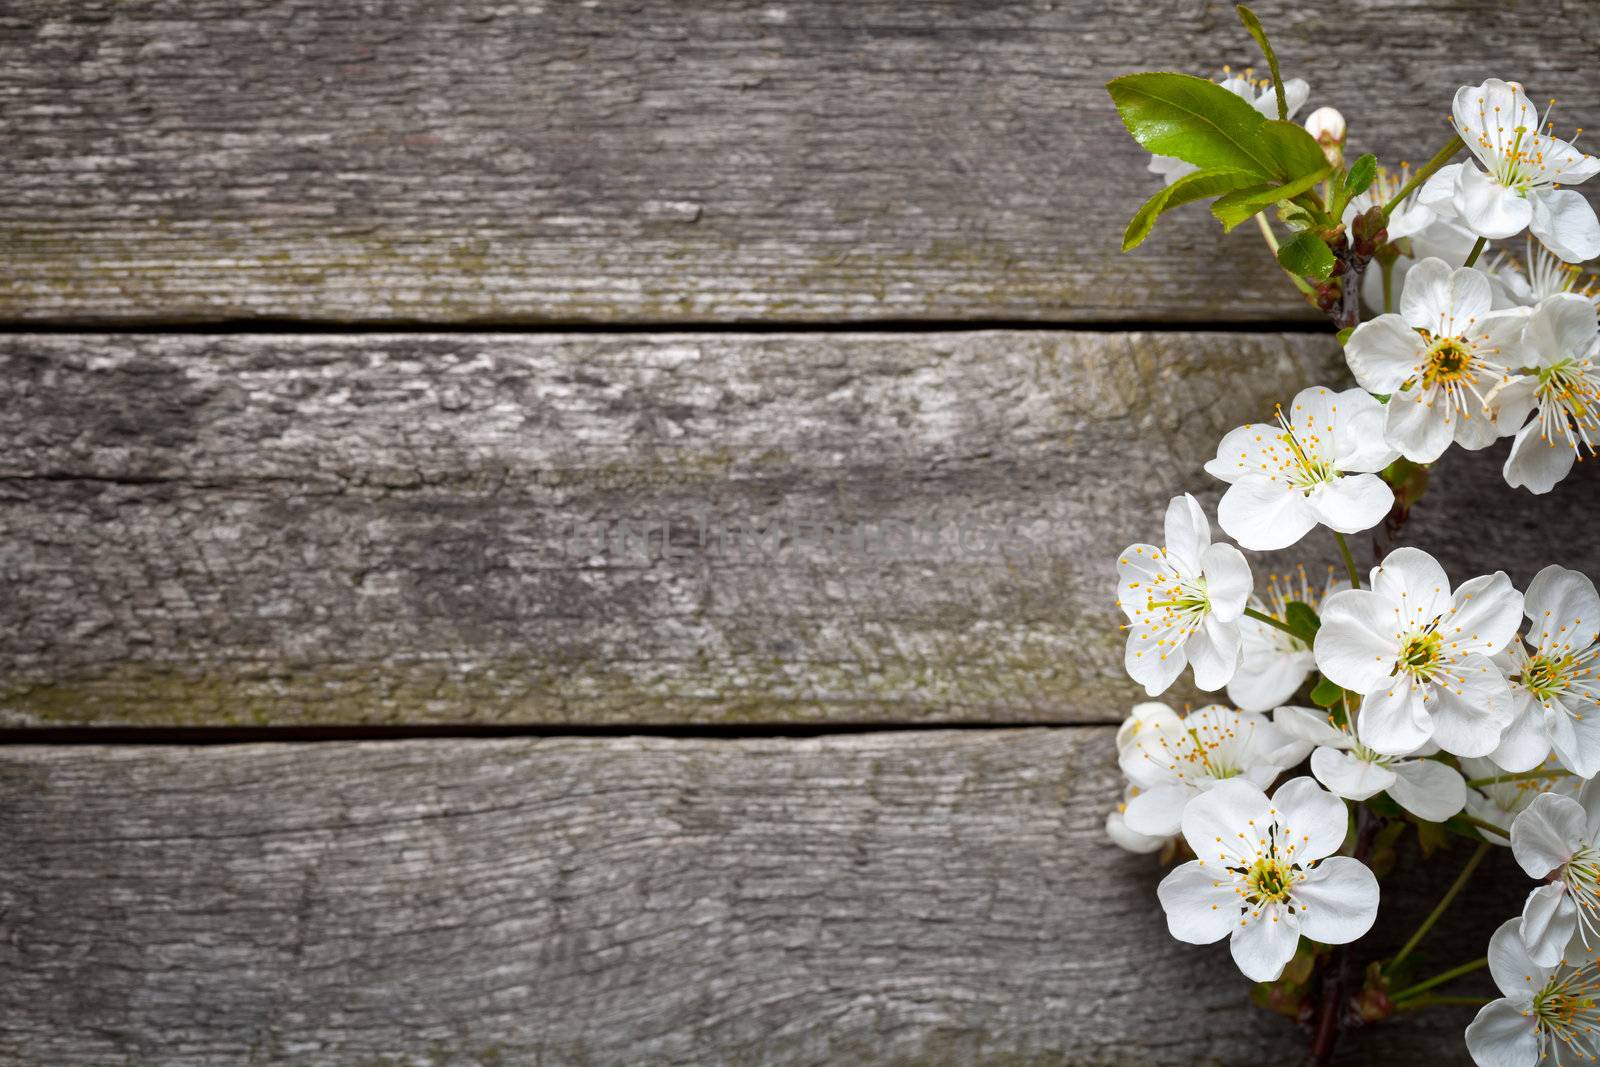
(1326, 125)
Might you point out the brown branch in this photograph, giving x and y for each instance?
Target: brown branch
(1334, 1010)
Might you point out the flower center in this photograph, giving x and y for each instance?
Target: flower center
(1449, 360)
(1269, 880)
(1545, 677)
(1420, 654)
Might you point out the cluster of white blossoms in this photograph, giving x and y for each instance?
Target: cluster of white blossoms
(1471, 707)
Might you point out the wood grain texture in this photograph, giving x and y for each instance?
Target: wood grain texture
(659, 162)
(902, 898)
(398, 529)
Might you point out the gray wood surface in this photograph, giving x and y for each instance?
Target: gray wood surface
(923, 898)
(258, 529)
(660, 162)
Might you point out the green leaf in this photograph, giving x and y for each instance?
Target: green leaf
(1302, 620)
(1363, 172)
(1203, 124)
(1253, 24)
(1195, 120)
(1356, 181)
(1190, 187)
(1244, 204)
(1307, 255)
(1297, 152)
(1325, 694)
(1344, 334)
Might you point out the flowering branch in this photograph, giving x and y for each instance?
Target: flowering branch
(1463, 705)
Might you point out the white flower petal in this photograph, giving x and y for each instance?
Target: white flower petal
(1265, 943)
(1358, 444)
(1411, 577)
(1200, 909)
(1536, 463)
(1484, 614)
(1395, 721)
(1337, 902)
(1313, 818)
(1549, 918)
(1128, 840)
(1154, 666)
(1187, 533)
(1525, 744)
(1267, 676)
(1211, 821)
(1564, 220)
(1383, 352)
(1429, 299)
(1357, 644)
(1513, 969)
(1158, 810)
(1419, 423)
(1547, 832)
(1564, 610)
(1264, 514)
(1213, 652)
(1228, 581)
(1577, 741)
(1244, 450)
(1440, 190)
(1352, 504)
(1146, 717)
(1502, 1035)
(1561, 327)
(1350, 776)
(1490, 209)
(1310, 725)
(1428, 789)
(1470, 703)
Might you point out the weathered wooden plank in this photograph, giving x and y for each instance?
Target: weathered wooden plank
(651, 161)
(916, 898)
(285, 530)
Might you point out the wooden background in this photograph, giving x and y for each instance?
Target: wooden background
(327, 326)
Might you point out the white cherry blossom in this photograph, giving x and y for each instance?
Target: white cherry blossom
(1555, 838)
(1318, 464)
(1172, 760)
(1419, 655)
(1427, 788)
(1555, 683)
(1562, 387)
(1274, 664)
(1524, 166)
(1546, 1014)
(1266, 874)
(1439, 358)
(1183, 603)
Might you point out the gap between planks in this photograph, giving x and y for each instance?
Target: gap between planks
(201, 736)
(754, 326)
